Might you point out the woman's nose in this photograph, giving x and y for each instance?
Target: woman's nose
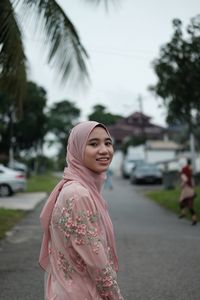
(103, 148)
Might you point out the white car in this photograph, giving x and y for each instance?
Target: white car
(18, 166)
(11, 181)
(146, 173)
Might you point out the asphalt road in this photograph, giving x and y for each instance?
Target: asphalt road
(20, 276)
(159, 255)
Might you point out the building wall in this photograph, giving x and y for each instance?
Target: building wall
(155, 156)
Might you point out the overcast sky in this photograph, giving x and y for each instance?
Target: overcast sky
(122, 44)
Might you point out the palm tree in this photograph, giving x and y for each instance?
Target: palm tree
(65, 48)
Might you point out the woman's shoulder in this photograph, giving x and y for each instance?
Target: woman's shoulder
(76, 194)
(74, 189)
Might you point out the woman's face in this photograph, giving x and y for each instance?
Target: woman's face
(98, 151)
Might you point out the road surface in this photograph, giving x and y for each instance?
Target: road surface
(159, 255)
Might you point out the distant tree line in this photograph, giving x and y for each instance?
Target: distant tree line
(28, 134)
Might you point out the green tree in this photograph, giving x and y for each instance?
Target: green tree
(65, 50)
(28, 132)
(178, 72)
(5, 117)
(31, 129)
(61, 118)
(100, 114)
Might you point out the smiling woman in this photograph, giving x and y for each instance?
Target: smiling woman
(78, 250)
(99, 150)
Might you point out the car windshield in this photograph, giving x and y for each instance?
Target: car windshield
(135, 161)
(148, 167)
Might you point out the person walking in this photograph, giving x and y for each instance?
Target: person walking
(109, 180)
(188, 194)
(78, 251)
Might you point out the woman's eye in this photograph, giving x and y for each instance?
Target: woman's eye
(93, 144)
(108, 144)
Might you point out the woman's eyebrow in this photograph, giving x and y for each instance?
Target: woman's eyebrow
(93, 140)
(97, 139)
(108, 139)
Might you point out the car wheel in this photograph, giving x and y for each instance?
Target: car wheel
(5, 190)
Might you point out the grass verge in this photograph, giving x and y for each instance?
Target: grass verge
(42, 183)
(36, 183)
(169, 199)
(8, 218)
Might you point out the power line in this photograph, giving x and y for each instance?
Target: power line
(121, 54)
(131, 53)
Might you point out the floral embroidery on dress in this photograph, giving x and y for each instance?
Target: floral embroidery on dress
(80, 227)
(107, 283)
(80, 264)
(65, 266)
(77, 260)
(110, 256)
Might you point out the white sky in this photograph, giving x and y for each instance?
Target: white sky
(121, 43)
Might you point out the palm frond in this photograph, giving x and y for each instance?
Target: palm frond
(65, 50)
(12, 56)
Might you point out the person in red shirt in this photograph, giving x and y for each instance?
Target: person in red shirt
(187, 193)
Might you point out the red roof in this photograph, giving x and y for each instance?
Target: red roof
(137, 124)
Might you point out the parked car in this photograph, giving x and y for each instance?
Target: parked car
(11, 181)
(146, 173)
(128, 164)
(18, 166)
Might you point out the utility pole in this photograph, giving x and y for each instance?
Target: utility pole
(143, 133)
(141, 111)
(11, 151)
(192, 151)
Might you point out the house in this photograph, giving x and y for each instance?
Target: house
(165, 153)
(135, 125)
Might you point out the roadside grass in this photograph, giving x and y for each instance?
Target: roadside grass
(169, 200)
(36, 183)
(8, 218)
(42, 183)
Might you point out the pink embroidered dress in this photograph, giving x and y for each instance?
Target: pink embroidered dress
(78, 249)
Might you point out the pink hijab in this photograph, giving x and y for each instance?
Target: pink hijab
(76, 171)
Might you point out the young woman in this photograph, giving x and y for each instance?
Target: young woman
(78, 249)
(188, 194)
